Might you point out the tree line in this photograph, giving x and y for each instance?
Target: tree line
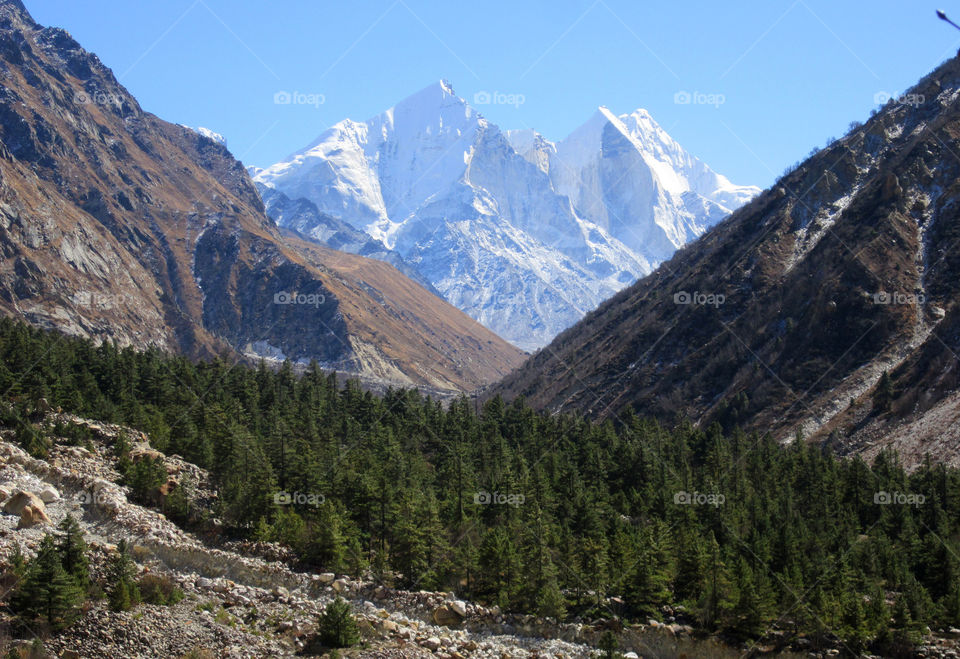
(553, 515)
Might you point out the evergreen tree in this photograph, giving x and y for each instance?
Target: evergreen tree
(338, 627)
(73, 552)
(121, 571)
(47, 590)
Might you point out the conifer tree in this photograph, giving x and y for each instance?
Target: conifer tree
(122, 587)
(338, 627)
(47, 590)
(73, 552)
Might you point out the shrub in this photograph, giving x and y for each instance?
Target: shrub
(156, 589)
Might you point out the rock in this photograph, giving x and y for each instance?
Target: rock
(446, 616)
(32, 516)
(22, 499)
(459, 607)
(49, 494)
(167, 488)
(326, 577)
(142, 452)
(389, 626)
(631, 655)
(433, 643)
(5, 492)
(891, 188)
(341, 585)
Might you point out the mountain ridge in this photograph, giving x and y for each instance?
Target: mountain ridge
(487, 224)
(787, 313)
(117, 225)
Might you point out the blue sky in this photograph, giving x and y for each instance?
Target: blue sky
(769, 80)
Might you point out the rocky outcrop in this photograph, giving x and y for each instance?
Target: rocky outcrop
(117, 225)
(784, 316)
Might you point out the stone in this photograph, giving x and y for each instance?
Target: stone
(49, 494)
(22, 499)
(326, 577)
(389, 626)
(32, 516)
(341, 585)
(446, 616)
(459, 607)
(433, 643)
(5, 492)
(142, 452)
(631, 655)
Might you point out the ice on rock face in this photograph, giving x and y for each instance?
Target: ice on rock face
(521, 233)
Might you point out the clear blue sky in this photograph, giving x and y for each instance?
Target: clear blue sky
(790, 73)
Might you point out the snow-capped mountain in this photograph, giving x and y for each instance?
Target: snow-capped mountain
(523, 234)
(626, 174)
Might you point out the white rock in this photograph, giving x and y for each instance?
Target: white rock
(49, 494)
(432, 643)
(326, 577)
(459, 607)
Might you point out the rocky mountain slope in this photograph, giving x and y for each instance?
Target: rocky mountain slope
(245, 599)
(302, 216)
(523, 235)
(118, 225)
(786, 315)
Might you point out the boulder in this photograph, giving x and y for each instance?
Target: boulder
(326, 577)
(141, 452)
(341, 585)
(459, 607)
(22, 499)
(32, 516)
(49, 494)
(446, 616)
(433, 643)
(389, 626)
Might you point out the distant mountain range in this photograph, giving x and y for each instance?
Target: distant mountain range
(786, 315)
(117, 225)
(523, 234)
